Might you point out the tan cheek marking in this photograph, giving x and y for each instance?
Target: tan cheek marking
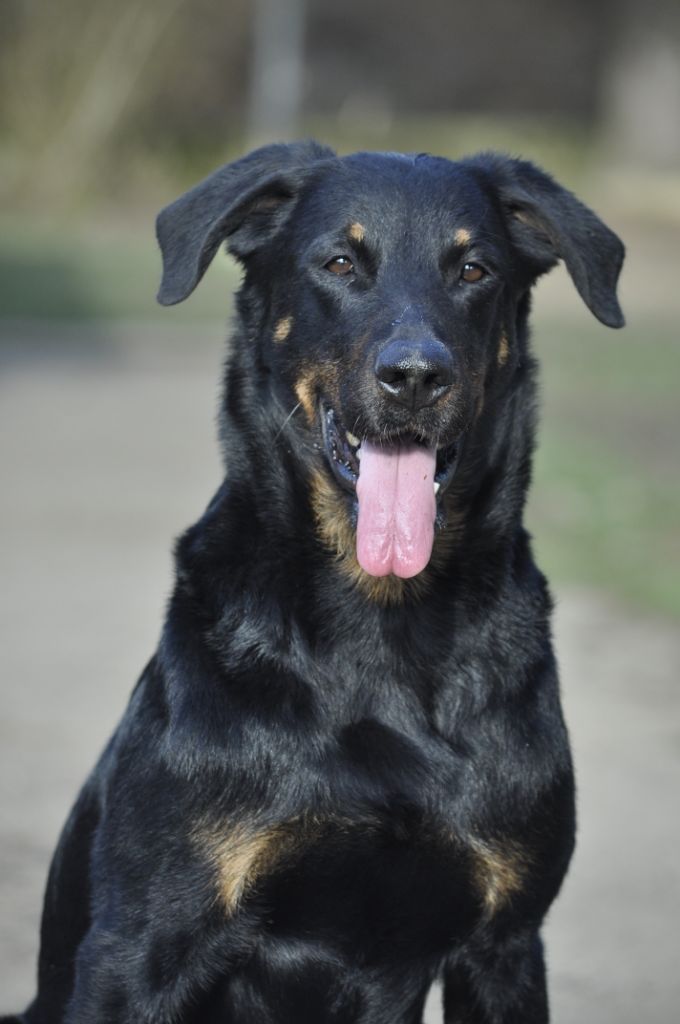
(282, 329)
(462, 236)
(499, 872)
(503, 350)
(357, 231)
(304, 389)
(321, 379)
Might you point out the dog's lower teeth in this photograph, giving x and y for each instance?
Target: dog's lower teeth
(353, 440)
(436, 486)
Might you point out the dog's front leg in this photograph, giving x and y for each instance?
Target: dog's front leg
(501, 984)
(107, 988)
(123, 979)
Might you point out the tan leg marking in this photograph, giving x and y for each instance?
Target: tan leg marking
(462, 236)
(282, 329)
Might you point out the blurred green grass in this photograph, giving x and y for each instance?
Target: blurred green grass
(61, 271)
(605, 505)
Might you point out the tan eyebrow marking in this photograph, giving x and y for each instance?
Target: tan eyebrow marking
(283, 329)
(462, 236)
(357, 231)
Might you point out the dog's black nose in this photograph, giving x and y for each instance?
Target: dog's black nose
(415, 373)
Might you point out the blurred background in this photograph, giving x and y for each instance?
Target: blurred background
(107, 402)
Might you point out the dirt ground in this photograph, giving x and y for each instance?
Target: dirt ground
(107, 451)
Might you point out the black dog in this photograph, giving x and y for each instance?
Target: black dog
(345, 771)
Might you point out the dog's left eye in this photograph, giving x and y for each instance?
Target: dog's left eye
(472, 272)
(340, 265)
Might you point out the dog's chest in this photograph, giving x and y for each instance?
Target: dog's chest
(386, 882)
(374, 838)
(381, 882)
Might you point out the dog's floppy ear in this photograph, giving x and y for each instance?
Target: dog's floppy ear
(243, 202)
(548, 223)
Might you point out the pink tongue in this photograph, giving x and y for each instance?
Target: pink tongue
(397, 509)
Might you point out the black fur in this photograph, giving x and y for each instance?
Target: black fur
(327, 789)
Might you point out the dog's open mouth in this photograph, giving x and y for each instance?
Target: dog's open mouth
(397, 484)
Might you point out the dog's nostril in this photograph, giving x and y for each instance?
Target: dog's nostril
(391, 374)
(415, 374)
(438, 378)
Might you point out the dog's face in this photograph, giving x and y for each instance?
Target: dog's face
(388, 285)
(387, 291)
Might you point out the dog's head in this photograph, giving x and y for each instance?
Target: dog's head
(386, 295)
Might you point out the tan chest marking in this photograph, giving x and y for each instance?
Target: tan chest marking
(282, 329)
(238, 858)
(243, 854)
(499, 872)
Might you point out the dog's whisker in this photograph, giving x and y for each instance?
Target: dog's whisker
(286, 421)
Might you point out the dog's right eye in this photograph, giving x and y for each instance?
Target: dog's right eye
(340, 265)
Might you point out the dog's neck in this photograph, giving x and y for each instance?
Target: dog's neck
(304, 588)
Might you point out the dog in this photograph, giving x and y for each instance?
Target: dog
(345, 772)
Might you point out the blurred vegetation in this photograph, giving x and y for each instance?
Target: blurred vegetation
(102, 270)
(101, 102)
(605, 506)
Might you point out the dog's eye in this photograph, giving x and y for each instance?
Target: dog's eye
(472, 272)
(340, 265)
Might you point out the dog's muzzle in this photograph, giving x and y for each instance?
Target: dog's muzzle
(397, 484)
